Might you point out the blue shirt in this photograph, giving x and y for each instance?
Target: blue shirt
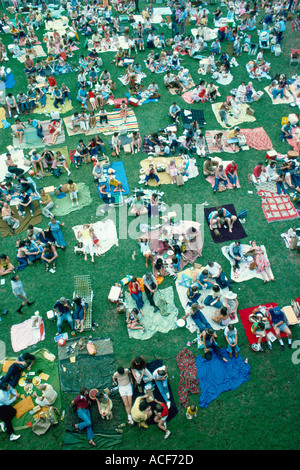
(5, 396)
(276, 318)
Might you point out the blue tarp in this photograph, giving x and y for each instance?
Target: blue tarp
(216, 376)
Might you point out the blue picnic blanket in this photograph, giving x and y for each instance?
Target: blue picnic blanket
(120, 175)
(216, 376)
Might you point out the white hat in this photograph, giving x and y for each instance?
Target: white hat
(230, 295)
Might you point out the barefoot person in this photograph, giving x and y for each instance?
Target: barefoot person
(122, 378)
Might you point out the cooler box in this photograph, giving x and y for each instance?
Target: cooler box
(50, 190)
(271, 155)
(117, 102)
(114, 294)
(123, 18)
(133, 102)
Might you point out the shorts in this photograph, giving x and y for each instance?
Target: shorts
(125, 390)
(282, 327)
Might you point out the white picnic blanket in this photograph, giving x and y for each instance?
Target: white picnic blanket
(187, 277)
(244, 273)
(106, 233)
(18, 158)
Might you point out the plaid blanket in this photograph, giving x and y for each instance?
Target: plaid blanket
(277, 207)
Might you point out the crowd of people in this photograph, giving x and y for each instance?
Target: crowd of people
(100, 28)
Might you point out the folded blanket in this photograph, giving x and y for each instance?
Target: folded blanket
(216, 376)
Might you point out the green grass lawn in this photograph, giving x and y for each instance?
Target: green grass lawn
(261, 414)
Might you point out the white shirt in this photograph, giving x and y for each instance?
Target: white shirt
(213, 270)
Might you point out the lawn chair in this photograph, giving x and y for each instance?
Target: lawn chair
(83, 289)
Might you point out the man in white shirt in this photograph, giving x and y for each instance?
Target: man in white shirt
(160, 378)
(217, 274)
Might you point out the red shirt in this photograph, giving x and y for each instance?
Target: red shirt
(231, 168)
(257, 171)
(52, 81)
(165, 410)
(81, 402)
(134, 288)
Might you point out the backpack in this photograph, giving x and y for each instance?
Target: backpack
(56, 172)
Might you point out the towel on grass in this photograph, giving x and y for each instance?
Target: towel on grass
(64, 206)
(233, 121)
(24, 221)
(216, 376)
(211, 181)
(152, 366)
(164, 177)
(23, 335)
(10, 81)
(119, 174)
(31, 140)
(257, 138)
(50, 107)
(238, 231)
(285, 100)
(155, 322)
(193, 249)
(18, 158)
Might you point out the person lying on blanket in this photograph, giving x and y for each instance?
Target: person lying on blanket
(220, 217)
(197, 316)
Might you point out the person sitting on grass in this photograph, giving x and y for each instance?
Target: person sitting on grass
(6, 266)
(49, 255)
(105, 405)
(280, 326)
(63, 309)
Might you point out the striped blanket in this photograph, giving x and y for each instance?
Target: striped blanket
(115, 121)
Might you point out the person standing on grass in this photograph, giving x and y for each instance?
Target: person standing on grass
(8, 395)
(122, 378)
(19, 292)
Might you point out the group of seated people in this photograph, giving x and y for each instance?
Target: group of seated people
(285, 173)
